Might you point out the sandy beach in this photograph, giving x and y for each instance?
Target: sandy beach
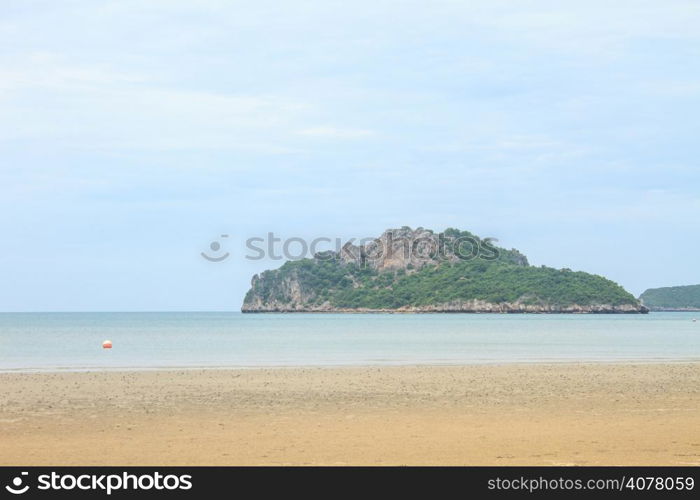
(519, 414)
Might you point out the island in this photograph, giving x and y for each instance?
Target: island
(672, 298)
(420, 271)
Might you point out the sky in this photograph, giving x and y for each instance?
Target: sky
(133, 134)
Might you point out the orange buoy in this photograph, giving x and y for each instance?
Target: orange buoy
(107, 344)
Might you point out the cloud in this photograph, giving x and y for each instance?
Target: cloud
(326, 132)
(83, 106)
(491, 115)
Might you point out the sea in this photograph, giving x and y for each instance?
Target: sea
(185, 340)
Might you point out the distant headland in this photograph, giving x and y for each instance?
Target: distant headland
(672, 298)
(419, 271)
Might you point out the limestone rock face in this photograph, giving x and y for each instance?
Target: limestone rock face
(406, 248)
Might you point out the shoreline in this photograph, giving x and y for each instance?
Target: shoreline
(399, 364)
(499, 414)
(496, 309)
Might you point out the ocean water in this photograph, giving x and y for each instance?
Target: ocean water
(73, 341)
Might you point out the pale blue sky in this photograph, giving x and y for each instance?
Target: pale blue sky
(133, 133)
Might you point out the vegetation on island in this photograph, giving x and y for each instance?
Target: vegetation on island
(505, 277)
(680, 298)
(349, 286)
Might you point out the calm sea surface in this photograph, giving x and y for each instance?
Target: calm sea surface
(73, 341)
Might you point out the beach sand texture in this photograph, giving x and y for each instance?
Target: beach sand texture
(518, 414)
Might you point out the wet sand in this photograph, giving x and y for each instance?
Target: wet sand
(535, 414)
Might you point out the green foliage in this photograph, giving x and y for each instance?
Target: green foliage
(488, 281)
(351, 286)
(673, 297)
